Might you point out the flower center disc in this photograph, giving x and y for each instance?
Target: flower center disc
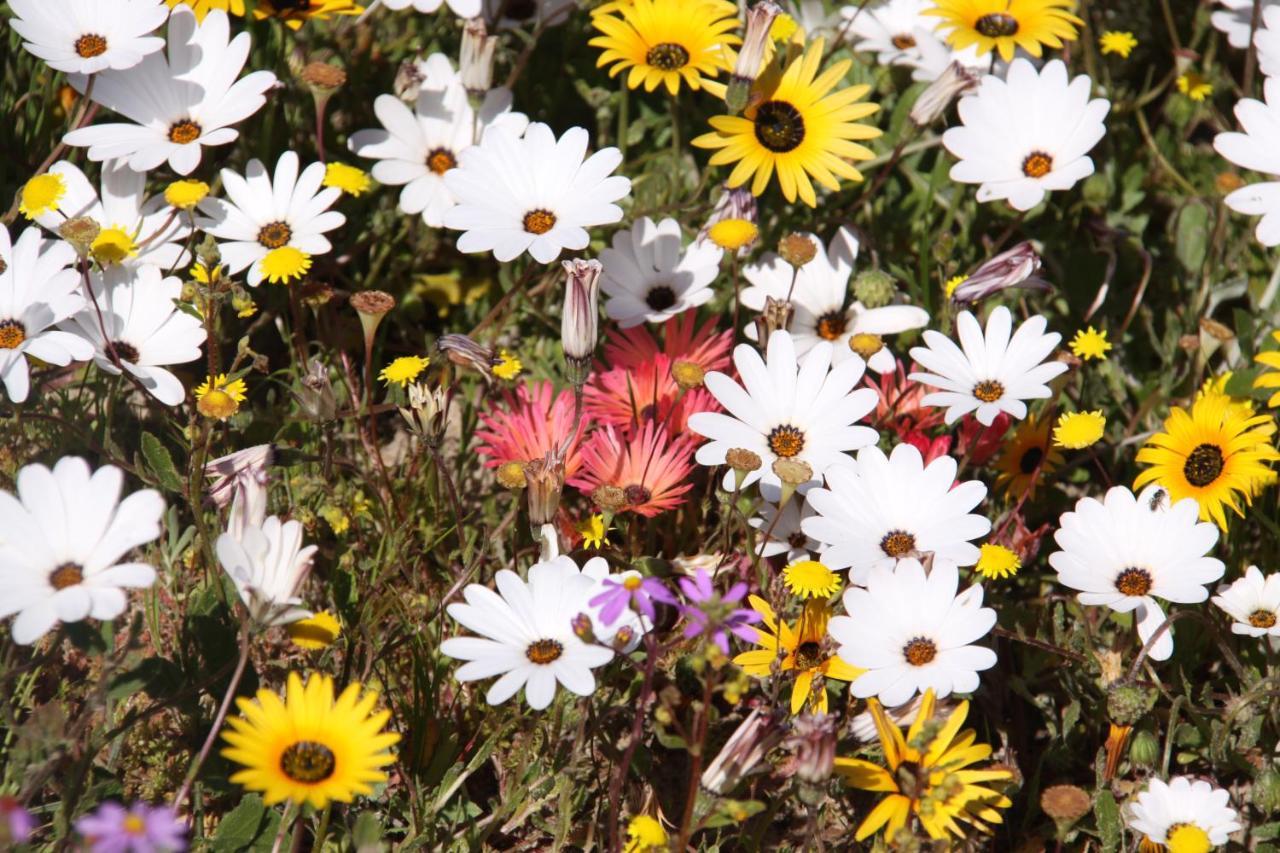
(903, 41)
(996, 25)
(12, 334)
(786, 441)
(667, 56)
(539, 221)
(184, 132)
(808, 655)
(1262, 619)
(273, 235)
(832, 325)
(91, 45)
(544, 651)
(920, 651)
(441, 160)
(637, 494)
(660, 297)
(898, 543)
(1037, 164)
(1030, 460)
(779, 126)
(68, 574)
(1203, 465)
(307, 761)
(125, 352)
(1134, 582)
(988, 390)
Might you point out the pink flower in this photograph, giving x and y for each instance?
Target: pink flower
(705, 347)
(650, 468)
(627, 398)
(899, 407)
(534, 421)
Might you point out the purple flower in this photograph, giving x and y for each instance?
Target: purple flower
(713, 615)
(632, 590)
(138, 829)
(16, 823)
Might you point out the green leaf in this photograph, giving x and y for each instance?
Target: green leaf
(1191, 241)
(241, 826)
(366, 835)
(1107, 814)
(160, 463)
(732, 812)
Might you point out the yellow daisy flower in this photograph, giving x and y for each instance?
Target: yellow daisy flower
(284, 264)
(644, 834)
(310, 748)
(1194, 85)
(186, 194)
(1118, 42)
(810, 579)
(1004, 25)
(507, 366)
(295, 14)
(220, 398)
(733, 234)
(946, 796)
(42, 194)
(805, 653)
(404, 370)
(1089, 343)
(666, 42)
(317, 632)
(950, 285)
(592, 530)
(349, 179)
(797, 126)
(996, 562)
(1214, 454)
(113, 245)
(1025, 452)
(1078, 430)
(204, 7)
(1270, 378)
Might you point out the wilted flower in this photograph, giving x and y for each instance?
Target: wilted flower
(1016, 267)
(751, 56)
(464, 352)
(475, 66)
(545, 479)
(955, 81)
(316, 397)
(754, 738)
(579, 324)
(776, 316)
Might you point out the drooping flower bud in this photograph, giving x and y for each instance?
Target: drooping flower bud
(476, 62)
(579, 324)
(751, 55)
(754, 738)
(464, 352)
(813, 740)
(427, 413)
(545, 479)
(953, 82)
(1016, 267)
(874, 288)
(776, 315)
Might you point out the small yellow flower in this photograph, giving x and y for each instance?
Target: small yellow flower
(244, 305)
(952, 283)
(1119, 42)
(783, 28)
(199, 272)
(186, 194)
(1089, 343)
(1194, 85)
(996, 562)
(1077, 430)
(508, 366)
(338, 520)
(810, 579)
(282, 265)
(645, 833)
(404, 370)
(733, 234)
(317, 632)
(350, 179)
(113, 245)
(219, 398)
(42, 194)
(592, 531)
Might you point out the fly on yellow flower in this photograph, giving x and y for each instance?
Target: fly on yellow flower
(927, 776)
(41, 195)
(799, 125)
(404, 370)
(1005, 25)
(1089, 344)
(1026, 458)
(349, 179)
(1118, 42)
(1270, 378)
(996, 562)
(507, 366)
(666, 42)
(316, 632)
(1078, 430)
(220, 398)
(310, 748)
(592, 530)
(810, 579)
(1194, 85)
(1215, 454)
(803, 649)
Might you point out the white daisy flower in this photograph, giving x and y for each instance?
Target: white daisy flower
(272, 225)
(61, 542)
(1267, 41)
(415, 148)
(785, 535)
(1027, 134)
(527, 634)
(178, 103)
(535, 194)
(88, 36)
(885, 509)
(1183, 814)
(1235, 20)
(134, 229)
(889, 29)
(814, 19)
(1257, 148)
(268, 563)
(819, 301)
(786, 409)
(1124, 552)
(627, 630)
(512, 14)
(461, 8)
(993, 373)
(144, 325)
(1253, 601)
(910, 631)
(39, 288)
(651, 276)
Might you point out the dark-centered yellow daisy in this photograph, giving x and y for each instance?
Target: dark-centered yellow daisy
(1027, 456)
(1004, 25)
(798, 126)
(666, 42)
(309, 747)
(1215, 453)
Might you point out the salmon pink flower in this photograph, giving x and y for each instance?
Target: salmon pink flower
(531, 423)
(651, 468)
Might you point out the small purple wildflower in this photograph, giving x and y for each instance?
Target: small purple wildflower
(631, 590)
(16, 823)
(711, 615)
(139, 829)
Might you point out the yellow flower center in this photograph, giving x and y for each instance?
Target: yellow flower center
(539, 221)
(42, 194)
(920, 651)
(543, 652)
(91, 45)
(632, 583)
(1262, 619)
(68, 574)
(113, 245)
(1133, 582)
(898, 543)
(286, 263)
(12, 334)
(1187, 838)
(988, 390)
(217, 404)
(184, 132)
(1203, 465)
(134, 825)
(1037, 164)
(308, 762)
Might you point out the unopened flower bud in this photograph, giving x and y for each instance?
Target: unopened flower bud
(742, 460)
(874, 288)
(953, 82)
(511, 476)
(1016, 267)
(797, 249)
(776, 316)
(464, 352)
(427, 413)
(813, 739)
(1144, 749)
(754, 738)
(582, 628)
(611, 499)
(475, 66)
(579, 327)
(80, 232)
(751, 54)
(623, 637)
(545, 479)
(1129, 703)
(208, 253)
(688, 375)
